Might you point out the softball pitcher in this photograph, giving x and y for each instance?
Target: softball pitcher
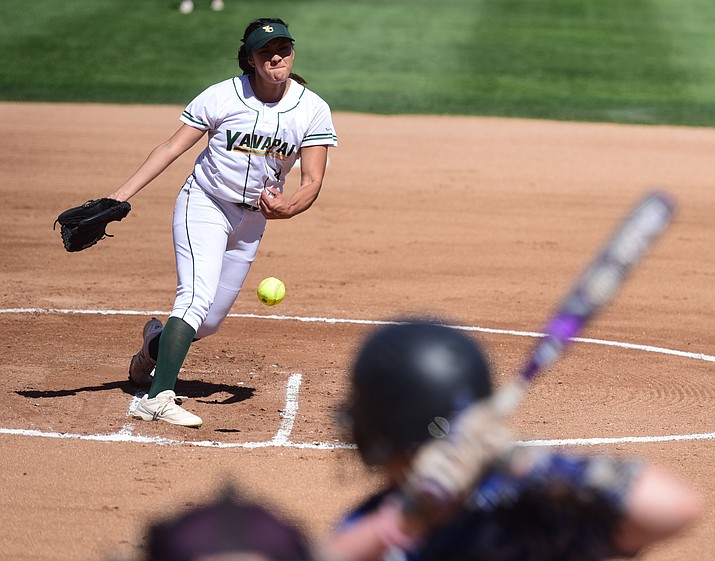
(258, 124)
(408, 381)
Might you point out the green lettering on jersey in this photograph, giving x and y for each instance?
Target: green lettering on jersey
(282, 149)
(245, 141)
(230, 139)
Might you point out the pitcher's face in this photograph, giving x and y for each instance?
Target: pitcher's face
(274, 61)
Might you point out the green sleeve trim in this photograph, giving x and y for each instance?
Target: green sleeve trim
(190, 117)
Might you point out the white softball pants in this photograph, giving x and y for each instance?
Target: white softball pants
(215, 243)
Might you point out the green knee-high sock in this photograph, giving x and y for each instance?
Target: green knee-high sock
(174, 344)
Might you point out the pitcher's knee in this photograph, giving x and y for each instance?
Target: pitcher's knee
(208, 328)
(192, 315)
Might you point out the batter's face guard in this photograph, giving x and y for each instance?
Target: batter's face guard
(408, 381)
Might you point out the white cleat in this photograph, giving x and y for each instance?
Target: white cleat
(166, 407)
(186, 6)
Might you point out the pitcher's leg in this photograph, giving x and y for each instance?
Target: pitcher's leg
(201, 234)
(174, 344)
(237, 260)
(200, 237)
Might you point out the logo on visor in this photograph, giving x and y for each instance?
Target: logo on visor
(268, 29)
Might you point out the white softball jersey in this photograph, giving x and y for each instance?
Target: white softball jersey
(253, 145)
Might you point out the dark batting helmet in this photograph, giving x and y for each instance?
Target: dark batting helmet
(408, 381)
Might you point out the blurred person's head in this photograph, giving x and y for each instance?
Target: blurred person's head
(229, 529)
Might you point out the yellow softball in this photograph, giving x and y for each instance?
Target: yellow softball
(271, 291)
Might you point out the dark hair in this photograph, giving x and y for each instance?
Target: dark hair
(229, 524)
(243, 55)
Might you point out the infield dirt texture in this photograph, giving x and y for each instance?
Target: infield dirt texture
(482, 222)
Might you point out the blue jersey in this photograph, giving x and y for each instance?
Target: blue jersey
(565, 508)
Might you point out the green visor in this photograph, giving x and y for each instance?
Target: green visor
(260, 36)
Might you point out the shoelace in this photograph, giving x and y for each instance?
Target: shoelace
(169, 402)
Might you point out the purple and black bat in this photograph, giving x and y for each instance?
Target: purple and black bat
(446, 468)
(594, 288)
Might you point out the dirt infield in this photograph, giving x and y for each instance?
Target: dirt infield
(480, 222)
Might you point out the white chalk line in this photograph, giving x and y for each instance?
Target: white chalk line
(621, 440)
(122, 436)
(281, 438)
(125, 434)
(632, 346)
(290, 410)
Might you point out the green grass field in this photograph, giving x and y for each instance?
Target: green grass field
(633, 61)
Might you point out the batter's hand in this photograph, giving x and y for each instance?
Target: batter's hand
(445, 470)
(273, 204)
